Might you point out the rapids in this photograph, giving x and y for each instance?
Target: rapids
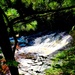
(37, 50)
(45, 44)
(40, 49)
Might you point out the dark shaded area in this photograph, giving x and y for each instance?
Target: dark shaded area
(5, 45)
(63, 21)
(60, 21)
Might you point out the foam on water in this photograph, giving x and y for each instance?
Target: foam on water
(41, 46)
(47, 44)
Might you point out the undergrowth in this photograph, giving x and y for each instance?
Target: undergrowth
(63, 63)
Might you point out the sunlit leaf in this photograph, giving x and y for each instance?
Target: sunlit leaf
(53, 5)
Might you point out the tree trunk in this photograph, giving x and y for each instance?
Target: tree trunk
(5, 44)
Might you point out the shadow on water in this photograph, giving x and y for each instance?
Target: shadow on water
(38, 38)
(60, 22)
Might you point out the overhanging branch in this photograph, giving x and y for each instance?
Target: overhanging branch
(19, 19)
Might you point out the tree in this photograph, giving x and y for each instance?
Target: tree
(28, 11)
(5, 44)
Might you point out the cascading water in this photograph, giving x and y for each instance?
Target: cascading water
(41, 48)
(46, 44)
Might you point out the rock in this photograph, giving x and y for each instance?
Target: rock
(38, 71)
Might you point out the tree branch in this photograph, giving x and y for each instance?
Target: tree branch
(11, 30)
(18, 19)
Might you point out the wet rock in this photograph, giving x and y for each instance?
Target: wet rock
(38, 71)
(27, 56)
(36, 67)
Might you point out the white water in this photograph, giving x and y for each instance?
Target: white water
(42, 46)
(47, 44)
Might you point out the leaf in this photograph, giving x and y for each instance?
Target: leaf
(57, 66)
(12, 63)
(15, 63)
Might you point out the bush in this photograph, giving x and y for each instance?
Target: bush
(72, 33)
(63, 63)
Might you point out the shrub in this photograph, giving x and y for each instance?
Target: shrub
(63, 63)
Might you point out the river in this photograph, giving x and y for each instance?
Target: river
(35, 52)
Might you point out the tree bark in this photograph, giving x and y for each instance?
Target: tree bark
(5, 45)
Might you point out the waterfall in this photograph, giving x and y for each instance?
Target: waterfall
(47, 43)
(35, 57)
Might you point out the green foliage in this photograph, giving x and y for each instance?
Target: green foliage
(12, 63)
(31, 26)
(4, 65)
(12, 0)
(0, 51)
(11, 13)
(63, 63)
(17, 27)
(38, 5)
(66, 3)
(73, 11)
(63, 60)
(72, 33)
(53, 71)
(53, 5)
(3, 4)
(26, 2)
(73, 2)
(25, 27)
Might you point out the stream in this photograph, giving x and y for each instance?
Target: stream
(37, 50)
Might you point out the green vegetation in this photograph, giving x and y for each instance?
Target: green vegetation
(72, 33)
(37, 5)
(63, 63)
(36, 15)
(4, 65)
